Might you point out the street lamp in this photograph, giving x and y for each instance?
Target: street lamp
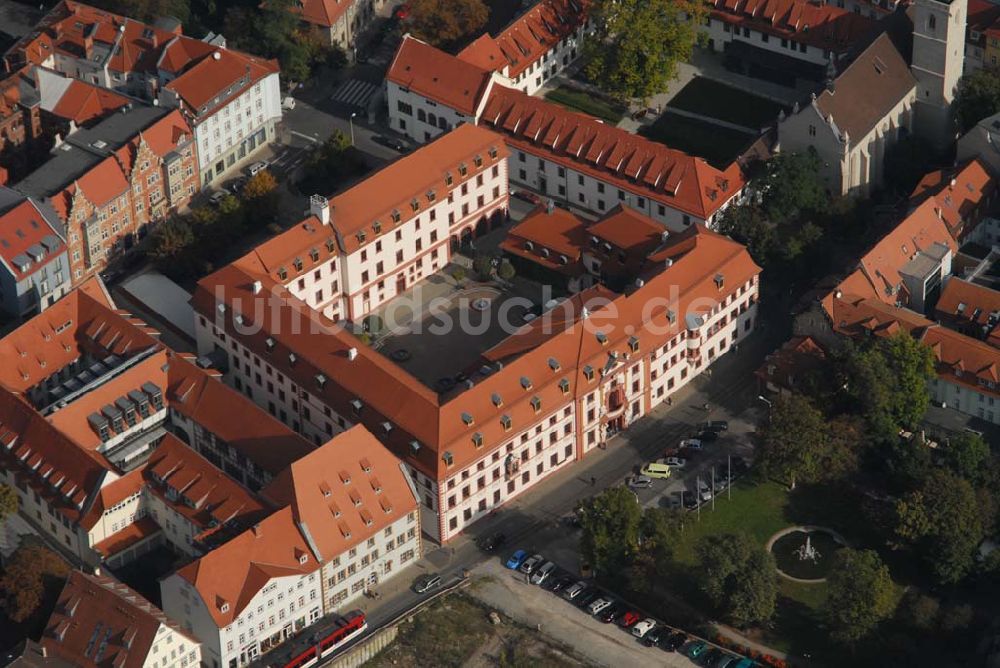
(765, 400)
(351, 120)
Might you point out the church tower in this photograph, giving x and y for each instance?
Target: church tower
(938, 53)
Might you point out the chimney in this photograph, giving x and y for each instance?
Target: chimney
(319, 206)
(352, 354)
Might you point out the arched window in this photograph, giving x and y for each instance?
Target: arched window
(931, 22)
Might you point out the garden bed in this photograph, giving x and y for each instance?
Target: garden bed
(587, 103)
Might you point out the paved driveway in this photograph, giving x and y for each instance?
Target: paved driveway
(604, 644)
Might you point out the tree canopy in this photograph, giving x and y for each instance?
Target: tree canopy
(610, 523)
(978, 97)
(944, 519)
(331, 165)
(446, 23)
(33, 574)
(638, 43)
(860, 594)
(8, 501)
(738, 576)
(968, 456)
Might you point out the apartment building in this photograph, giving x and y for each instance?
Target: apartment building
(34, 264)
(109, 183)
(536, 46)
(379, 238)
(542, 399)
(98, 621)
(20, 116)
(346, 521)
(231, 100)
(338, 21)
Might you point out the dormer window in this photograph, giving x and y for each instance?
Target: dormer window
(360, 236)
(496, 399)
(462, 169)
(414, 447)
(314, 255)
(633, 344)
(386, 427)
(493, 153)
(292, 358)
(356, 406)
(536, 404)
(269, 344)
(505, 422)
(564, 386)
(320, 380)
(477, 440)
(447, 458)
(602, 338)
(297, 263)
(478, 161)
(720, 281)
(303, 558)
(588, 372)
(395, 215)
(553, 364)
(671, 316)
(414, 205)
(467, 419)
(525, 382)
(448, 180)
(329, 245)
(431, 195)
(377, 227)
(282, 273)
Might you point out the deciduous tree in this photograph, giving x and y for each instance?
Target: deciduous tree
(860, 594)
(794, 443)
(738, 576)
(978, 97)
(506, 270)
(171, 239)
(944, 520)
(610, 523)
(32, 573)
(8, 501)
(444, 23)
(638, 43)
(968, 456)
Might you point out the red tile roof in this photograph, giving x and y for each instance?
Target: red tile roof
(99, 622)
(21, 228)
(820, 25)
(82, 102)
(324, 13)
(133, 534)
(583, 143)
(546, 238)
(423, 69)
(196, 489)
(346, 491)
(795, 360)
(528, 37)
(228, 577)
(961, 196)
(968, 305)
(220, 77)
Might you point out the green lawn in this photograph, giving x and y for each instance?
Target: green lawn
(716, 100)
(586, 103)
(719, 146)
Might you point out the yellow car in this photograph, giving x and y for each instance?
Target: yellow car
(656, 470)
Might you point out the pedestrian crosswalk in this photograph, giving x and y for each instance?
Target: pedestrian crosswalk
(355, 92)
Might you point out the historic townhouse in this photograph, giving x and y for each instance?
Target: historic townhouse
(379, 238)
(338, 21)
(542, 398)
(98, 621)
(34, 264)
(346, 521)
(232, 100)
(108, 183)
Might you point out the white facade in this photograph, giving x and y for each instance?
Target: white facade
(565, 52)
(965, 399)
(851, 165)
(422, 119)
(171, 649)
(720, 33)
(235, 131)
(938, 56)
(542, 174)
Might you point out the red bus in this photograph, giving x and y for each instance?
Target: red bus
(346, 628)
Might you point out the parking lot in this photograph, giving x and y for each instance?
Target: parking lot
(605, 643)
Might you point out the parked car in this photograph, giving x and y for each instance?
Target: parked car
(655, 636)
(529, 565)
(598, 605)
(527, 196)
(587, 597)
(674, 642)
(690, 501)
(655, 470)
(256, 168)
(727, 661)
(705, 496)
(542, 573)
(288, 103)
(426, 582)
(612, 613)
(714, 425)
(236, 185)
(557, 584)
(695, 649)
(642, 628)
(401, 12)
(516, 559)
(573, 591)
(707, 436)
(217, 197)
(629, 619)
(711, 657)
(639, 482)
(390, 142)
(675, 462)
(691, 443)
(492, 542)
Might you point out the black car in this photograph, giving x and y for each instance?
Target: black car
(390, 142)
(674, 642)
(690, 500)
(707, 436)
(558, 584)
(714, 425)
(710, 657)
(492, 542)
(656, 635)
(613, 613)
(586, 597)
